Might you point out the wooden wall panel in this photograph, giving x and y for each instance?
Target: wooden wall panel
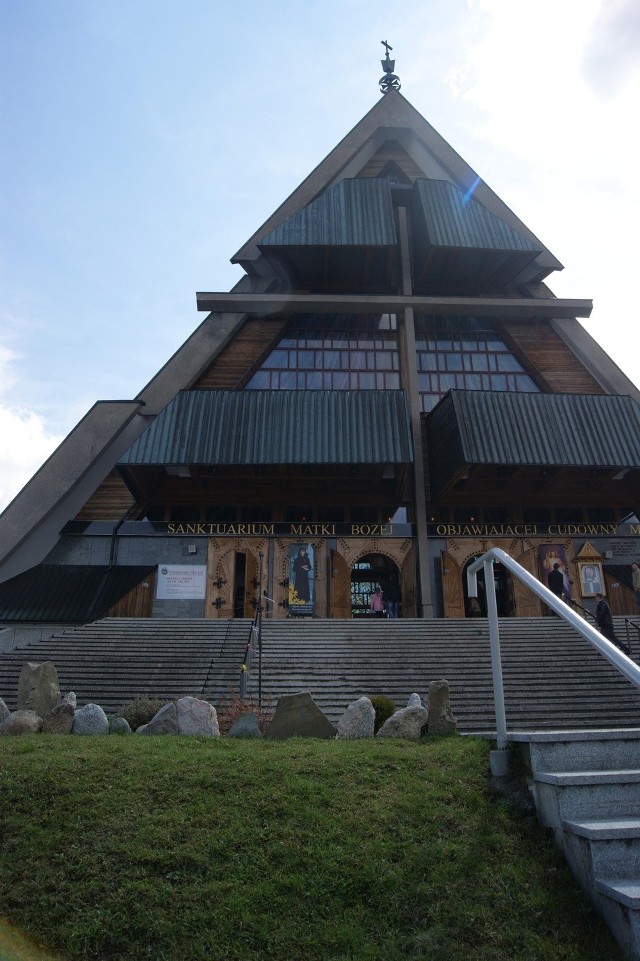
(621, 601)
(138, 602)
(109, 502)
(552, 359)
(391, 152)
(229, 370)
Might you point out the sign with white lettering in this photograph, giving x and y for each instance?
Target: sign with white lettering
(181, 583)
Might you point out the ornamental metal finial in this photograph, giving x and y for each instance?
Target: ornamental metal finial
(389, 81)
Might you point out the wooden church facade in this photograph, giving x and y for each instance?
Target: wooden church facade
(389, 390)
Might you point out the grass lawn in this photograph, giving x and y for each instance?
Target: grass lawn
(179, 849)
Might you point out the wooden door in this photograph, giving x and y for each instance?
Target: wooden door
(408, 585)
(250, 588)
(221, 575)
(621, 598)
(340, 586)
(452, 588)
(526, 602)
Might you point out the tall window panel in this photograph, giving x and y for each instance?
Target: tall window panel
(464, 353)
(333, 352)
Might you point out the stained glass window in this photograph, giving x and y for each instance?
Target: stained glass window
(360, 352)
(334, 352)
(464, 353)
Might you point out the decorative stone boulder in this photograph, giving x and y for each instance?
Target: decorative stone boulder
(38, 688)
(358, 720)
(197, 717)
(164, 722)
(21, 722)
(409, 722)
(90, 719)
(60, 719)
(414, 701)
(298, 715)
(441, 720)
(4, 711)
(247, 725)
(119, 725)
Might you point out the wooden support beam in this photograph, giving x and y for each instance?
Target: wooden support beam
(514, 308)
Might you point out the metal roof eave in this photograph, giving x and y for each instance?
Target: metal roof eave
(503, 429)
(277, 427)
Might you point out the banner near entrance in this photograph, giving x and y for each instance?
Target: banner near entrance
(549, 555)
(302, 599)
(181, 583)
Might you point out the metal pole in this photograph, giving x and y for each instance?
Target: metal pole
(496, 661)
(261, 557)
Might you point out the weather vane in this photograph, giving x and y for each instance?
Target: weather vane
(389, 81)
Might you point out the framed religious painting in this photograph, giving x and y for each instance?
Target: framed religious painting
(591, 578)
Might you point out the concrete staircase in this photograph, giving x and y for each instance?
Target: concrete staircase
(553, 679)
(115, 660)
(586, 786)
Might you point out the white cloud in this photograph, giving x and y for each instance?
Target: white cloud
(554, 87)
(611, 55)
(25, 442)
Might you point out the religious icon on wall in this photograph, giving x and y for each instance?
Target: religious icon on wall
(548, 556)
(591, 579)
(301, 579)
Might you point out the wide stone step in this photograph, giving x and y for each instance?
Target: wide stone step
(580, 751)
(573, 795)
(604, 847)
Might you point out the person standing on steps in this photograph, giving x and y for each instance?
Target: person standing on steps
(555, 580)
(376, 604)
(635, 574)
(392, 597)
(604, 620)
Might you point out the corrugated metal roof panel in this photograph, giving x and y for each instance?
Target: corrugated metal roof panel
(278, 427)
(66, 592)
(354, 212)
(576, 430)
(455, 220)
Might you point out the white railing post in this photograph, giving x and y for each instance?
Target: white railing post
(620, 661)
(496, 657)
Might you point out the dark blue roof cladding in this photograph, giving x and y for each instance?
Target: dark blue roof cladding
(277, 427)
(455, 220)
(354, 212)
(578, 430)
(66, 592)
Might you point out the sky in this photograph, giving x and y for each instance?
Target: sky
(142, 142)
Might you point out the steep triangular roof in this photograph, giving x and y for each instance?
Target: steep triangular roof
(391, 118)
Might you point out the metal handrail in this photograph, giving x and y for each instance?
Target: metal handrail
(615, 656)
(249, 651)
(573, 603)
(254, 642)
(627, 624)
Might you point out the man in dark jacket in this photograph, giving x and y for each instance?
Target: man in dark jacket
(604, 620)
(555, 580)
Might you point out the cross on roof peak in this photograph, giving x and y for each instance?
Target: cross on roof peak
(389, 81)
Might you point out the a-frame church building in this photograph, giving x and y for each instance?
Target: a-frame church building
(389, 390)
